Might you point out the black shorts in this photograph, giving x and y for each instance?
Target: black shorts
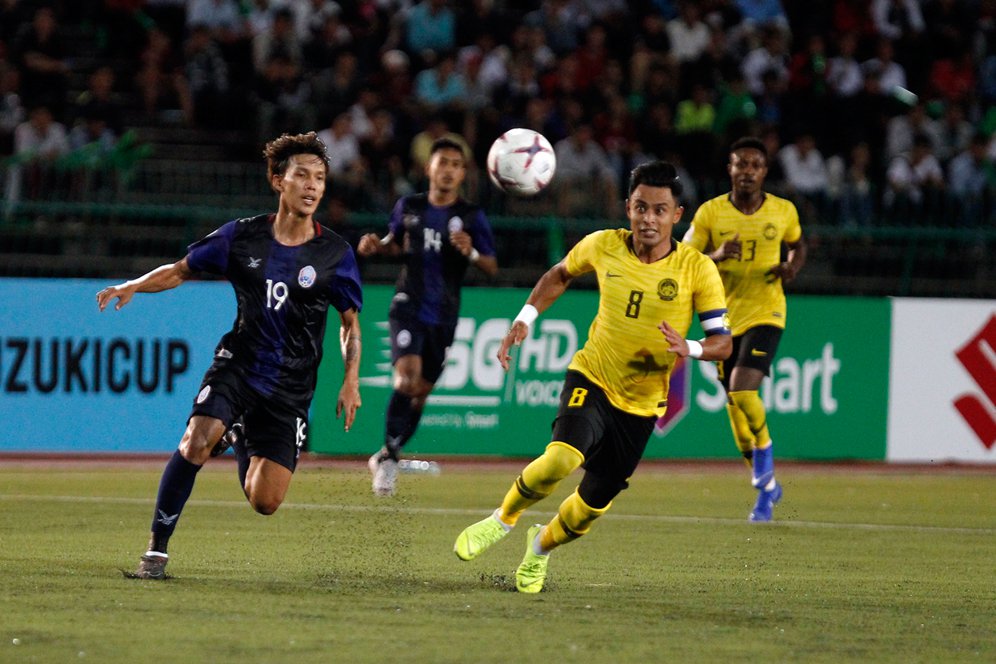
(612, 441)
(430, 342)
(755, 348)
(275, 428)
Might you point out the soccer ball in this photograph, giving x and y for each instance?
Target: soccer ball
(521, 162)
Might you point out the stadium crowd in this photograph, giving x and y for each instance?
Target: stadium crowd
(869, 108)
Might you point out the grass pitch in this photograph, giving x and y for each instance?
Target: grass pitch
(880, 566)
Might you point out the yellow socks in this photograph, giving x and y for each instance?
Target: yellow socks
(574, 519)
(749, 403)
(539, 479)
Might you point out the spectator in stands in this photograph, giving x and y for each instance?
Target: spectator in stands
(895, 19)
(715, 68)
(769, 57)
(911, 176)
(92, 129)
(735, 110)
(420, 150)
(656, 133)
(585, 184)
(39, 142)
(560, 21)
(844, 75)
(326, 44)
(336, 89)
(688, 34)
(342, 145)
(280, 40)
(310, 15)
(161, 80)
(12, 111)
(39, 51)
(222, 20)
(891, 75)
(430, 28)
(99, 97)
(951, 133)
(971, 176)
(901, 129)
(442, 87)
(953, 79)
(947, 22)
(208, 78)
(694, 121)
(259, 17)
(852, 187)
(13, 14)
(282, 98)
(763, 13)
(382, 153)
(805, 172)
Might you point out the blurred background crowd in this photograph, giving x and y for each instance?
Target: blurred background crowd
(875, 112)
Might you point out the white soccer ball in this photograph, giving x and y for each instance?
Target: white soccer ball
(521, 162)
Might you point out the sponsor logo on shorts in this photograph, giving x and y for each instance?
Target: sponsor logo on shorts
(203, 394)
(758, 353)
(306, 277)
(404, 339)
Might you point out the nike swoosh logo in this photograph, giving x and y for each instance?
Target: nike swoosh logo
(757, 353)
(725, 232)
(609, 274)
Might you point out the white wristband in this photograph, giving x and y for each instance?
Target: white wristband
(474, 256)
(527, 315)
(694, 348)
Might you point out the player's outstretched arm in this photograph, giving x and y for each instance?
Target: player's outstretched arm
(162, 278)
(546, 291)
(371, 245)
(349, 393)
(715, 347)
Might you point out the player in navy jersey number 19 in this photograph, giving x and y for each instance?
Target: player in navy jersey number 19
(286, 270)
(439, 235)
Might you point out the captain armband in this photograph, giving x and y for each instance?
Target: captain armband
(528, 315)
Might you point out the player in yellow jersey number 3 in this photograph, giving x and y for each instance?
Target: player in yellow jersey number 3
(616, 386)
(746, 233)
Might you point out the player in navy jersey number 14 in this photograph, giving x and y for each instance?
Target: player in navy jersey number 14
(439, 235)
(286, 270)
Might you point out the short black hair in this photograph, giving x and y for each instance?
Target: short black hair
(445, 143)
(750, 143)
(279, 151)
(655, 174)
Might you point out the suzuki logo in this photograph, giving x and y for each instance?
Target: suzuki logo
(978, 356)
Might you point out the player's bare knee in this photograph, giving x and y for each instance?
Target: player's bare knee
(265, 505)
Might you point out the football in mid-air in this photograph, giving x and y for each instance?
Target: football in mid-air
(521, 162)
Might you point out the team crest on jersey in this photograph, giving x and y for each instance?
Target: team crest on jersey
(455, 224)
(667, 289)
(404, 339)
(410, 220)
(306, 277)
(770, 232)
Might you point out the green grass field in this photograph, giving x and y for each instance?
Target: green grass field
(871, 566)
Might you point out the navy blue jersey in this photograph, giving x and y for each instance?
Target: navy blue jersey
(283, 298)
(428, 287)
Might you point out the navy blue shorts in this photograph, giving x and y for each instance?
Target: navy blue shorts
(611, 440)
(275, 428)
(430, 342)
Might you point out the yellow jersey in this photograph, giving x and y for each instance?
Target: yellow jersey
(626, 355)
(753, 296)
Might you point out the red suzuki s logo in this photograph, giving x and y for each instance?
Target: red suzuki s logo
(978, 356)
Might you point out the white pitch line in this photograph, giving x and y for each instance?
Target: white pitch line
(454, 511)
